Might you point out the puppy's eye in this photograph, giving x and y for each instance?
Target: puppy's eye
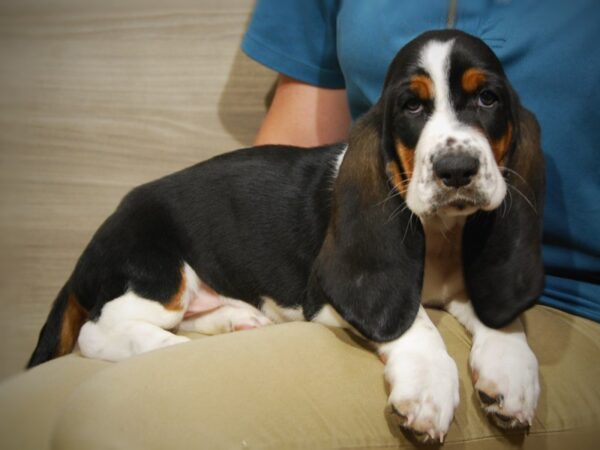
(413, 107)
(487, 99)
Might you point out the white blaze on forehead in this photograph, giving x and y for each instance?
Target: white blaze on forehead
(435, 60)
(444, 132)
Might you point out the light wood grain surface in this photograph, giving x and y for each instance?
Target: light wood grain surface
(96, 97)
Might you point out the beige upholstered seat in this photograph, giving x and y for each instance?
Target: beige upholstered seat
(298, 385)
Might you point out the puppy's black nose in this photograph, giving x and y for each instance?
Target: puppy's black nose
(456, 170)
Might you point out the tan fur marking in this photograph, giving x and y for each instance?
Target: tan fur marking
(394, 173)
(73, 319)
(472, 79)
(422, 86)
(175, 303)
(500, 146)
(383, 358)
(407, 157)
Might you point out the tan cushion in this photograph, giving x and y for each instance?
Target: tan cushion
(31, 402)
(302, 385)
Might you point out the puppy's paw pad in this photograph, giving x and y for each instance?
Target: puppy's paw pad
(424, 395)
(507, 386)
(488, 400)
(423, 429)
(508, 422)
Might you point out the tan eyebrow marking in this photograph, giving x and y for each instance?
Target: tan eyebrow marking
(472, 79)
(422, 86)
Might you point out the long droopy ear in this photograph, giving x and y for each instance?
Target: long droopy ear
(502, 256)
(370, 266)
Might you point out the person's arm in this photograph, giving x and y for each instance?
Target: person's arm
(305, 115)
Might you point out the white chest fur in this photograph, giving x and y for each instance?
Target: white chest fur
(443, 279)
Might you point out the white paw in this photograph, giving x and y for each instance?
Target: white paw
(246, 320)
(230, 317)
(123, 340)
(424, 393)
(505, 375)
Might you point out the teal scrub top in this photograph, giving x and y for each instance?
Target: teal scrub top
(550, 50)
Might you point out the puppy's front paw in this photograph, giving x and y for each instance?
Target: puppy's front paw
(424, 393)
(505, 375)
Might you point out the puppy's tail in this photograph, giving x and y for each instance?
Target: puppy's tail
(60, 332)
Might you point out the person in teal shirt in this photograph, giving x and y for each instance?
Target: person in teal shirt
(332, 56)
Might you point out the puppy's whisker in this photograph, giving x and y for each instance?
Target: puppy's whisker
(523, 180)
(504, 205)
(517, 174)
(412, 214)
(389, 197)
(397, 212)
(510, 198)
(408, 226)
(393, 193)
(523, 196)
(406, 231)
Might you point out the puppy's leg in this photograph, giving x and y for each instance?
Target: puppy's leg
(127, 326)
(133, 323)
(504, 369)
(233, 315)
(423, 379)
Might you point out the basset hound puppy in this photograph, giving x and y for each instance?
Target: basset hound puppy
(436, 200)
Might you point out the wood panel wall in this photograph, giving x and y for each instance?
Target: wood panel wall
(96, 97)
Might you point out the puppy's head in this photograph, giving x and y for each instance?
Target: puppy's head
(448, 124)
(449, 137)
